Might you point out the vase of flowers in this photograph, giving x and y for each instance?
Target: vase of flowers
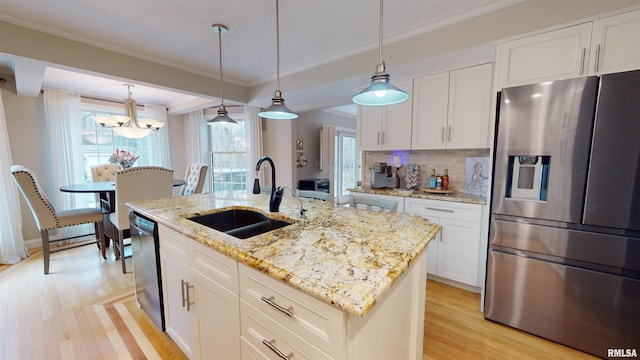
(125, 158)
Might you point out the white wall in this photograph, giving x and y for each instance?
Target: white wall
(278, 144)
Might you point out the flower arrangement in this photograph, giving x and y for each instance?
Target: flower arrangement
(124, 158)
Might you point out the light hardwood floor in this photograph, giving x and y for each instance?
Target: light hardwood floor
(85, 309)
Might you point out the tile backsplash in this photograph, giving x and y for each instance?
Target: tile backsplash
(453, 160)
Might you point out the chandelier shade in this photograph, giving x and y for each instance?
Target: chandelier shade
(278, 110)
(380, 91)
(128, 125)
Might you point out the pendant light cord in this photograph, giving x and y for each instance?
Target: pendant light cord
(277, 47)
(220, 55)
(380, 34)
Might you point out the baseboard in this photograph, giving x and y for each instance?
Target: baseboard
(462, 286)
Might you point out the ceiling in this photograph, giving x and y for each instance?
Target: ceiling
(178, 34)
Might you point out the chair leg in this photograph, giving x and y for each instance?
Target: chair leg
(123, 258)
(45, 249)
(102, 243)
(116, 248)
(99, 243)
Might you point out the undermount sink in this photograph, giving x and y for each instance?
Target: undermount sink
(240, 223)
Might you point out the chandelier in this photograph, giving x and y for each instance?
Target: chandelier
(129, 126)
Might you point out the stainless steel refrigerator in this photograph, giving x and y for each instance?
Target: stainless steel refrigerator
(564, 234)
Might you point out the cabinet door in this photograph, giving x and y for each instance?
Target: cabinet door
(614, 47)
(396, 121)
(553, 55)
(458, 251)
(369, 136)
(430, 107)
(469, 107)
(178, 321)
(217, 321)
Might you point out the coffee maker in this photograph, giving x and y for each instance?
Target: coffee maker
(382, 176)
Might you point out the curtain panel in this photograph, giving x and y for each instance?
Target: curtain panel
(12, 248)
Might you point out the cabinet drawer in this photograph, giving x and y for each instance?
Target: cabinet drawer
(217, 267)
(257, 329)
(173, 242)
(317, 322)
(444, 209)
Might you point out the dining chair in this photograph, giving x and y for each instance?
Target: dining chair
(104, 172)
(46, 216)
(195, 177)
(368, 203)
(136, 184)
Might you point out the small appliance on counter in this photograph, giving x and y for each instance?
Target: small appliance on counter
(382, 176)
(321, 185)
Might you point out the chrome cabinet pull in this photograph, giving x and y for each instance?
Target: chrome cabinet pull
(378, 137)
(584, 54)
(449, 134)
(383, 138)
(189, 303)
(441, 210)
(271, 345)
(184, 298)
(595, 66)
(442, 135)
(287, 311)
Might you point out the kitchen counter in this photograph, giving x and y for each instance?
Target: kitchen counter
(455, 196)
(345, 257)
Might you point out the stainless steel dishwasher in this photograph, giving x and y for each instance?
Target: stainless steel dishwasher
(145, 249)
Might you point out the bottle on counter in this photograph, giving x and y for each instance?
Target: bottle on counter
(445, 180)
(433, 180)
(439, 182)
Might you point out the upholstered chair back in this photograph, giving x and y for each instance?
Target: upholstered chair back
(195, 177)
(105, 172)
(140, 183)
(373, 204)
(43, 212)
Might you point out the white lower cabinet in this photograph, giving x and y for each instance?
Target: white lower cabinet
(202, 307)
(217, 308)
(455, 253)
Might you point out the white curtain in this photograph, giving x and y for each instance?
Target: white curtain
(12, 248)
(63, 118)
(197, 143)
(255, 141)
(158, 142)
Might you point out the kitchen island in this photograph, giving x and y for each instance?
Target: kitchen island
(338, 284)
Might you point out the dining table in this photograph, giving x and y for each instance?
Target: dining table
(106, 191)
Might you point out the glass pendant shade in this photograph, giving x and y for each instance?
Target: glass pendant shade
(380, 91)
(128, 125)
(278, 110)
(131, 132)
(223, 115)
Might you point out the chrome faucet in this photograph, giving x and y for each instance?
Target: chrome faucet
(302, 210)
(276, 194)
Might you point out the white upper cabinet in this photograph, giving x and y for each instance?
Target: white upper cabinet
(386, 127)
(615, 44)
(554, 55)
(430, 108)
(469, 107)
(451, 110)
(603, 46)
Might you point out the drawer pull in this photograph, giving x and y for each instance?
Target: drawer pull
(287, 311)
(271, 345)
(441, 210)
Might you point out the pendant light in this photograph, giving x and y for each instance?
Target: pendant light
(278, 110)
(380, 91)
(223, 115)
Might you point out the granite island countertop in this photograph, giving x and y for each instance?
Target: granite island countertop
(345, 257)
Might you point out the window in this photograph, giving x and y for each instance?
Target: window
(347, 161)
(229, 154)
